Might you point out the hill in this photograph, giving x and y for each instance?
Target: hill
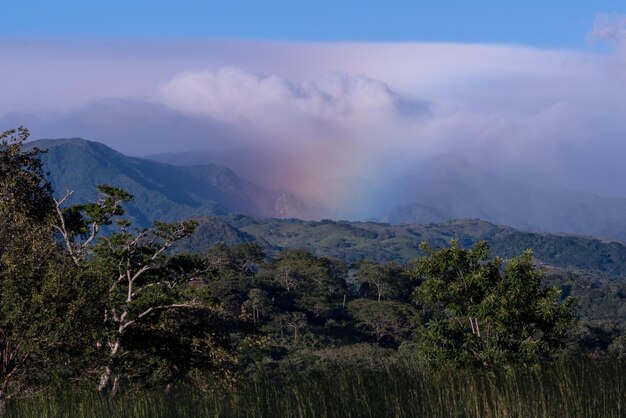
(447, 187)
(354, 241)
(162, 191)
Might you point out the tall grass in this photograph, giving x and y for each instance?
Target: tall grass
(569, 388)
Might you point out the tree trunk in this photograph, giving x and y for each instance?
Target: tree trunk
(3, 394)
(115, 387)
(3, 403)
(105, 379)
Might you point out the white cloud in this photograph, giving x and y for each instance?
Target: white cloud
(319, 129)
(607, 27)
(233, 95)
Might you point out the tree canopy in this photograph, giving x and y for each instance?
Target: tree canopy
(479, 311)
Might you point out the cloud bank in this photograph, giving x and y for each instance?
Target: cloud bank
(332, 122)
(232, 95)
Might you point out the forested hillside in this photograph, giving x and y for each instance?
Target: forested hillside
(162, 192)
(383, 242)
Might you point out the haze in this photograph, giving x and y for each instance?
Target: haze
(328, 120)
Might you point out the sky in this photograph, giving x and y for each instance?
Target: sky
(553, 24)
(319, 98)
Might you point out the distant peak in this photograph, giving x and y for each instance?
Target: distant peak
(57, 142)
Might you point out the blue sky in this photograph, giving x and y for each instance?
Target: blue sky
(549, 24)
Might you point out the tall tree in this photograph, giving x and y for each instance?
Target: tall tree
(158, 316)
(482, 313)
(317, 284)
(45, 303)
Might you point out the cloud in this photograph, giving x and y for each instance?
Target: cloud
(335, 121)
(341, 131)
(318, 130)
(607, 27)
(235, 96)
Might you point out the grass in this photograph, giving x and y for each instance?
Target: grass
(569, 388)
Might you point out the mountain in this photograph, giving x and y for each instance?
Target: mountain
(450, 188)
(354, 241)
(437, 190)
(162, 191)
(446, 187)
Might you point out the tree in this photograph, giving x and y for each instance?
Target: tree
(144, 281)
(386, 280)
(45, 302)
(80, 224)
(154, 305)
(317, 284)
(247, 257)
(258, 303)
(24, 190)
(296, 321)
(232, 270)
(481, 313)
(390, 320)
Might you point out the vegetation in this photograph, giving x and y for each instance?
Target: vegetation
(567, 388)
(381, 242)
(511, 316)
(45, 301)
(101, 318)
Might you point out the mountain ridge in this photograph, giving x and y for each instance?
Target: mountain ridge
(443, 188)
(451, 188)
(384, 242)
(162, 191)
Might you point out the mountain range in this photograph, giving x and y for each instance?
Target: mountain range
(446, 187)
(449, 188)
(180, 186)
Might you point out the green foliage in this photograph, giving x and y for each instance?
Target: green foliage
(45, 302)
(353, 242)
(384, 281)
(24, 190)
(151, 298)
(385, 320)
(481, 314)
(100, 212)
(317, 284)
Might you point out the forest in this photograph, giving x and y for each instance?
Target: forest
(99, 317)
